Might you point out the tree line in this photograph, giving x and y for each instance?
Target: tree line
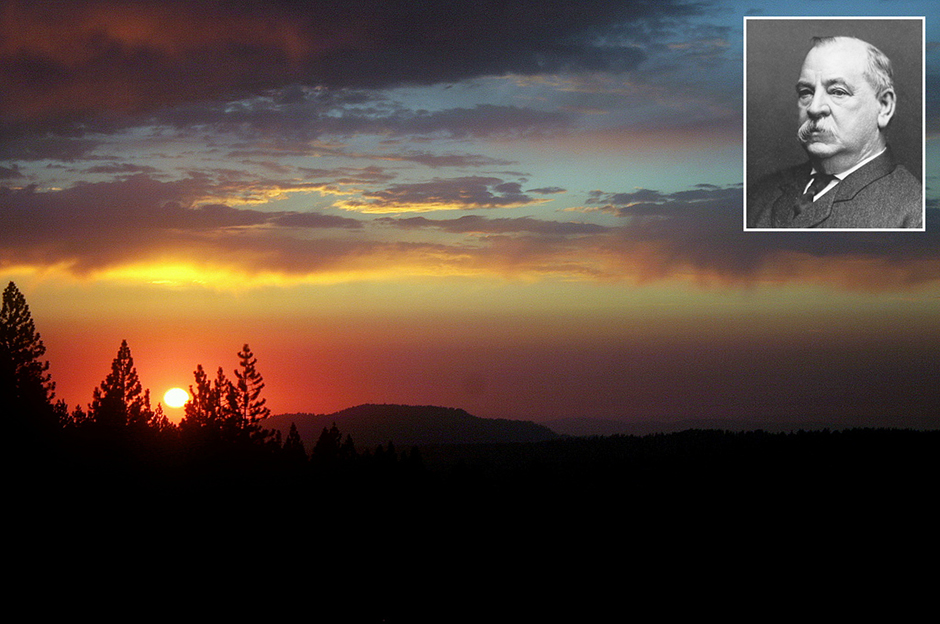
(225, 417)
(223, 432)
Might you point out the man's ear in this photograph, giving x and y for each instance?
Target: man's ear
(886, 107)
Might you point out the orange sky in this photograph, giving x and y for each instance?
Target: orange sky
(499, 350)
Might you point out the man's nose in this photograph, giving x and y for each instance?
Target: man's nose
(818, 106)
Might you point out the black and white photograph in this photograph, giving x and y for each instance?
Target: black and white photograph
(834, 124)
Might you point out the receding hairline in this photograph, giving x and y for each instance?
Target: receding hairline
(878, 71)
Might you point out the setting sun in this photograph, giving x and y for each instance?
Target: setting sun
(176, 397)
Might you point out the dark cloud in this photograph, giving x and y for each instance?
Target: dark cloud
(465, 193)
(932, 95)
(314, 220)
(703, 46)
(141, 222)
(121, 168)
(101, 225)
(60, 61)
(699, 232)
(651, 203)
(10, 173)
(476, 224)
(450, 160)
(348, 175)
(481, 120)
(311, 119)
(24, 146)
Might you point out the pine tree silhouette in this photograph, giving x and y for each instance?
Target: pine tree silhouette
(231, 412)
(160, 423)
(347, 452)
(294, 449)
(25, 383)
(207, 411)
(328, 446)
(246, 401)
(120, 400)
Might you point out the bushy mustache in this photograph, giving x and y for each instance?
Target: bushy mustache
(810, 126)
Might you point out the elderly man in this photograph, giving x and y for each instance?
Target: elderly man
(845, 97)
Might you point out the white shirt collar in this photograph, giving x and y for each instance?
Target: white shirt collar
(842, 175)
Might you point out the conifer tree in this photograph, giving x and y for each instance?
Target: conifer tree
(229, 411)
(199, 409)
(294, 449)
(25, 383)
(223, 390)
(140, 414)
(120, 400)
(160, 423)
(211, 410)
(246, 401)
(328, 446)
(78, 417)
(347, 451)
(61, 412)
(204, 408)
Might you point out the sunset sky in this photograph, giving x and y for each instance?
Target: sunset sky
(527, 209)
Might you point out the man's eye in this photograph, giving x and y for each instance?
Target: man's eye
(838, 92)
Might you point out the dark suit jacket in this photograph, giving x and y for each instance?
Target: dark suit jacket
(882, 194)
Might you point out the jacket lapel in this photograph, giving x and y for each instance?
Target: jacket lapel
(783, 212)
(876, 169)
(815, 213)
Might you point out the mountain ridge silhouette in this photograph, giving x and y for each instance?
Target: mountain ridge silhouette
(371, 424)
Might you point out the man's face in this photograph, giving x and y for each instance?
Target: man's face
(839, 109)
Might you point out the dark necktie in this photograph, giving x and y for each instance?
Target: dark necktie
(818, 182)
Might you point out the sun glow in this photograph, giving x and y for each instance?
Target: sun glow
(176, 397)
